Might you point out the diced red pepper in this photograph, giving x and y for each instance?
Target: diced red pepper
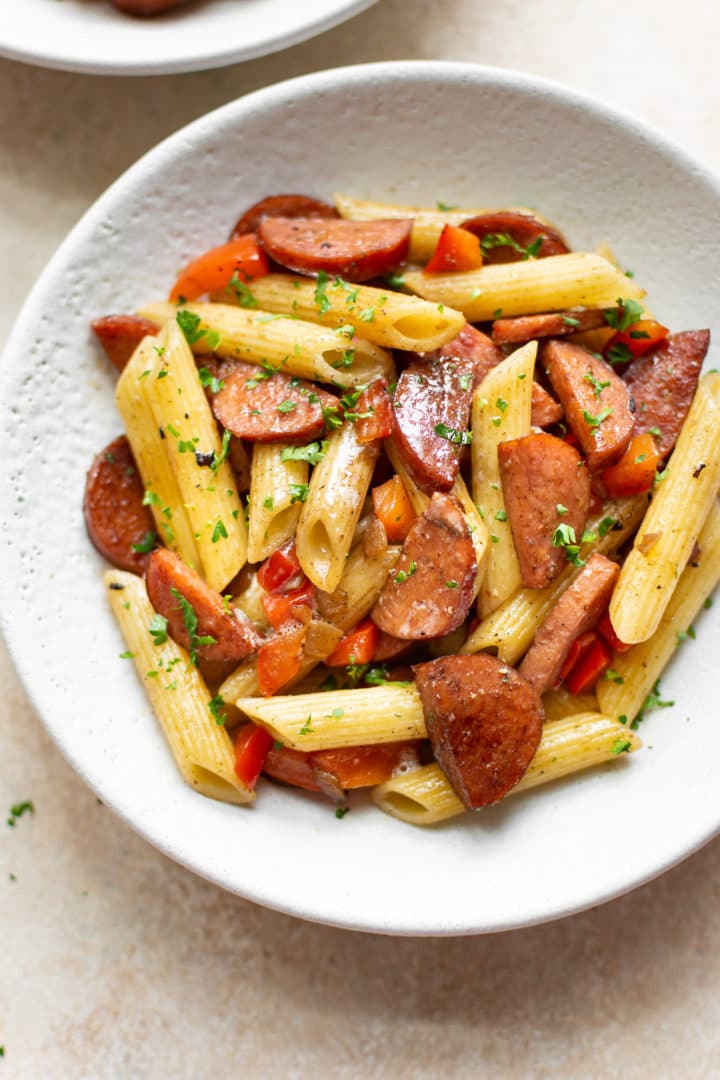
(577, 650)
(393, 508)
(357, 647)
(593, 663)
(252, 744)
(279, 607)
(362, 766)
(278, 661)
(215, 269)
(280, 568)
(635, 472)
(457, 249)
(376, 401)
(640, 337)
(607, 630)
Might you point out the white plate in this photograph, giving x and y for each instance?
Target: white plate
(418, 132)
(92, 36)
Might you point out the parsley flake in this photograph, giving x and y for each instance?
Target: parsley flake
(459, 438)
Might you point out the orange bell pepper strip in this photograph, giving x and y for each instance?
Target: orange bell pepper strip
(457, 249)
(393, 509)
(252, 744)
(635, 471)
(577, 650)
(279, 568)
(279, 660)
(639, 338)
(357, 647)
(607, 630)
(279, 606)
(361, 766)
(592, 664)
(214, 270)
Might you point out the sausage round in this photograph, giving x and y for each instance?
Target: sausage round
(429, 591)
(358, 250)
(540, 473)
(114, 513)
(285, 206)
(234, 635)
(373, 412)
(529, 327)
(484, 721)
(120, 335)
(524, 229)
(275, 409)
(598, 406)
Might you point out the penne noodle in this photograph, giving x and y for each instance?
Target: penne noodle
(501, 411)
(676, 515)
(389, 319)
(275, 503)
(510, 629)
(330, 514)
(283, 342)
(427, 224)
(561, 703)
(579, 279)
(635, 672)
(161, 488)
(193, 447)
(179, 697)
(424, 796)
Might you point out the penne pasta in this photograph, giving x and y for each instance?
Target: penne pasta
(180, 700)
(389, 319)
(338, 487)
(501, 411)
(192, 444)
(635, 672)
(424, 796)
(579, 279)
(277, 490)
(428, 223)
(283, 342)
(673, 522)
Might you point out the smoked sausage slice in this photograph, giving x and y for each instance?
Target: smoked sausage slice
(598, 406)
(373, 413)
(278, 409)
(284, 206)
(357, 250)
(556, 324)
(234, 635)
(523, 229)
(484, 723)
(430, 589)
(663, 382)
(431, 415)
(114, 513)
(578, 610)
(120, 335)
(544, 484)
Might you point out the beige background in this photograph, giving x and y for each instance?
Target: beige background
(117, 963)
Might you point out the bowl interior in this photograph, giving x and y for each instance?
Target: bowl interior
(413, 132)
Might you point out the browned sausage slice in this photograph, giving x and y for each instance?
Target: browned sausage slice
(523, 229)
(389, 647)
(578, 610)
(484, 723)
(556, 324)
(275, 409)
(234, 635)
(358, 250)
(120, 335)
(597, 404)
(545, 484)
(373, 412)
(284, 206)
(472, 344)
(114, 513)
(663, 382)
(431, 416)
(430, 589)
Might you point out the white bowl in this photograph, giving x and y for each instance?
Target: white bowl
(94, 37)
(417, 132)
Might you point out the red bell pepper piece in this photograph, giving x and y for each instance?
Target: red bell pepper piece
(362, 766)
(457, 249)
(279, 607)
(375, 401)
(635, 471)
(277, 571)
(592, 664)
(639, 338)
(357, 647)
(215, 269)
(393, 509)
(578, 649)
(252, 744)
(607, 630)
(279, 660)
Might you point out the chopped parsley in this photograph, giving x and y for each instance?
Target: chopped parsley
(561, 510)
(568, 320)
(465, 382)
(564, 537)
(614, 676)
(313, 453)
(189, 323)
(215, 705)
(219, 531)
(242, 294)
(596, 421)
(219, 458)
(621, 746)
(501, 515)
(147, 543)
(208, 380)
(287, 406)
(341, 811)
(395, 281)
(190, 620)
(628, 312)
(606, 525)
(652, 701)
(618, 354)
(321, 298)
(495, 240)
(158, 629)
(18, 810)
(690, 633)
(298, 493)
(451, 584)
(268, 502)
(459, 438)
(445, 207)
(307, 727)
(597, 386)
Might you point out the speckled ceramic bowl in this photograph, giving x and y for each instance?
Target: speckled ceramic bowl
(419, 132)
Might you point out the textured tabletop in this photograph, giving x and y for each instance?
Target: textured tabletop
(118, 963)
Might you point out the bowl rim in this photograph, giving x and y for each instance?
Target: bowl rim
(261, 100)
